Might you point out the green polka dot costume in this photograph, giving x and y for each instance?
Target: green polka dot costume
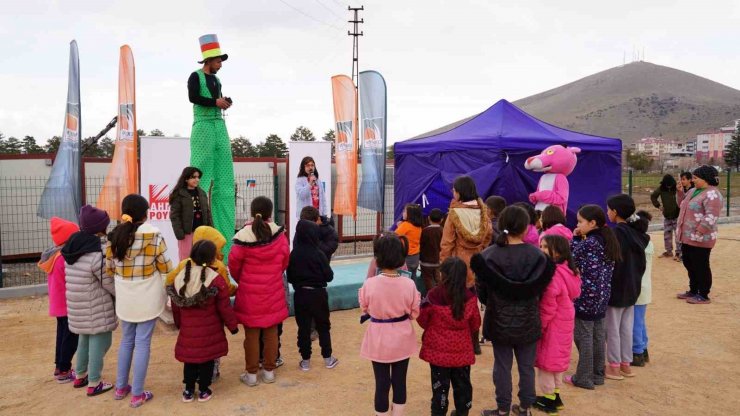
(210, 151)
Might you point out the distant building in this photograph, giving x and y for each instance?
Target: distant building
(656, 147)
(690, 146)
(712, 145)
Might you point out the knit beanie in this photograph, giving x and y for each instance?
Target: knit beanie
(93, 220)
(61, 230)
(708, 173)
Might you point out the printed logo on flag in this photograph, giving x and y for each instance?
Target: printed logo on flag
(126, 122)
(345, 138)
(372, 135)
(71, 124)
(159, 202)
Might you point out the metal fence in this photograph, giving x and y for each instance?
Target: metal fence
(23, 235)
(641, 185)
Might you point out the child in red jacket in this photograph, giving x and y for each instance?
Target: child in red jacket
(557, 315)
(449, 316)
(201, 307)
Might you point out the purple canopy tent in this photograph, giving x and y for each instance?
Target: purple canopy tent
(491, 148)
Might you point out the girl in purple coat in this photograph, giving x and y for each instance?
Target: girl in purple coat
(557, 315)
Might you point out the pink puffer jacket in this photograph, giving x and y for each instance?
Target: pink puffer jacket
(558, 319)
(258, 269)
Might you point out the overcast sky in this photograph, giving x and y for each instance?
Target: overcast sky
(442, 60)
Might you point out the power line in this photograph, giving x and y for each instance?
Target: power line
(330, 10)
(339, 3)
(311, 17)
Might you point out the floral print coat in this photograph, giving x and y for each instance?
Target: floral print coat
(697, 220)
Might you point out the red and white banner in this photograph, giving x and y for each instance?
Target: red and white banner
(158, 177)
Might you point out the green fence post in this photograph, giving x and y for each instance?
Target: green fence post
(729, 173)
(629, 181)
(276, 190)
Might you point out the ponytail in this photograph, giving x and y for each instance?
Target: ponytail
(513, 222)
(188, 267)
(261, 211)
(121, 238)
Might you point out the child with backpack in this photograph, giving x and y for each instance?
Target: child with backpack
(200, 307)
(449, 315)
(510, 278)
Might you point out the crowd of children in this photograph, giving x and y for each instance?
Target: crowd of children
(543, 287)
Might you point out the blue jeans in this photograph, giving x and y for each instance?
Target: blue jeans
(639, 330)
(136, 338)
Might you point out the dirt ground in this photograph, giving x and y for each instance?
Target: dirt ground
(695, 368)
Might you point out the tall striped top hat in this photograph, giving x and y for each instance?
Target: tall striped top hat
(210, 48)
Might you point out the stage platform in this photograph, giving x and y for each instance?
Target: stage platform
(349, 275)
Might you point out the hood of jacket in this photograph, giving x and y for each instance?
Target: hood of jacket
(471, 220)
(636, 238)
(306, 233)
(146, 235)
(572, 282)
(514, 277)
(79, 244)
(211, 234)
(48, 257)
(192, 287)
(246, 237)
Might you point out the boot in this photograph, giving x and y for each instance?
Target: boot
(638, 360)
(397, 409)
(646, 356)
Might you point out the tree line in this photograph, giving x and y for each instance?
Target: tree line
(241, 146)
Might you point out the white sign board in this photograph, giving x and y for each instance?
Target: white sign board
(321, 154)
(162, 162)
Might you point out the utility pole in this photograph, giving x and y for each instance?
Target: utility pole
(355, 42)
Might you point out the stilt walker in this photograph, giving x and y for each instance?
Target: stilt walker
(210, 146)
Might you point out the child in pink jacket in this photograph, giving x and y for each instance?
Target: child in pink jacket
(53, 264)
(390, 302)
(557, 315)
(553, 223)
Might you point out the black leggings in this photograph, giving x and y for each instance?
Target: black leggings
(387, 375)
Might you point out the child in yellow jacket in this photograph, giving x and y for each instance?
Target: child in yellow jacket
(211, 234)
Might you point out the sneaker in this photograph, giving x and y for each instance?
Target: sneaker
(517, 410)
(666, 254)
(187, 396)
(99, 389)
(66, 377)
(122, 392)
(279, 362)
(546, 405)
(559, 402)
(138, 401)
(638, 360)
(696, 300)
(331, 362)
(570, 380)
(613, 373)
(268, 377)
(685, 295)
(646, 356)
(205, 396)
(80, 382)
(56, 372)
(626, 370)
(305, 365)
(249, 379)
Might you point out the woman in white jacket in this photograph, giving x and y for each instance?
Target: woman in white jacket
(309, 190)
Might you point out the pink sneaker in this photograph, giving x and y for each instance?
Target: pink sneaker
(685, 295)
(122, 393)
(80, 382)
(137, 401)
(66, 377)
